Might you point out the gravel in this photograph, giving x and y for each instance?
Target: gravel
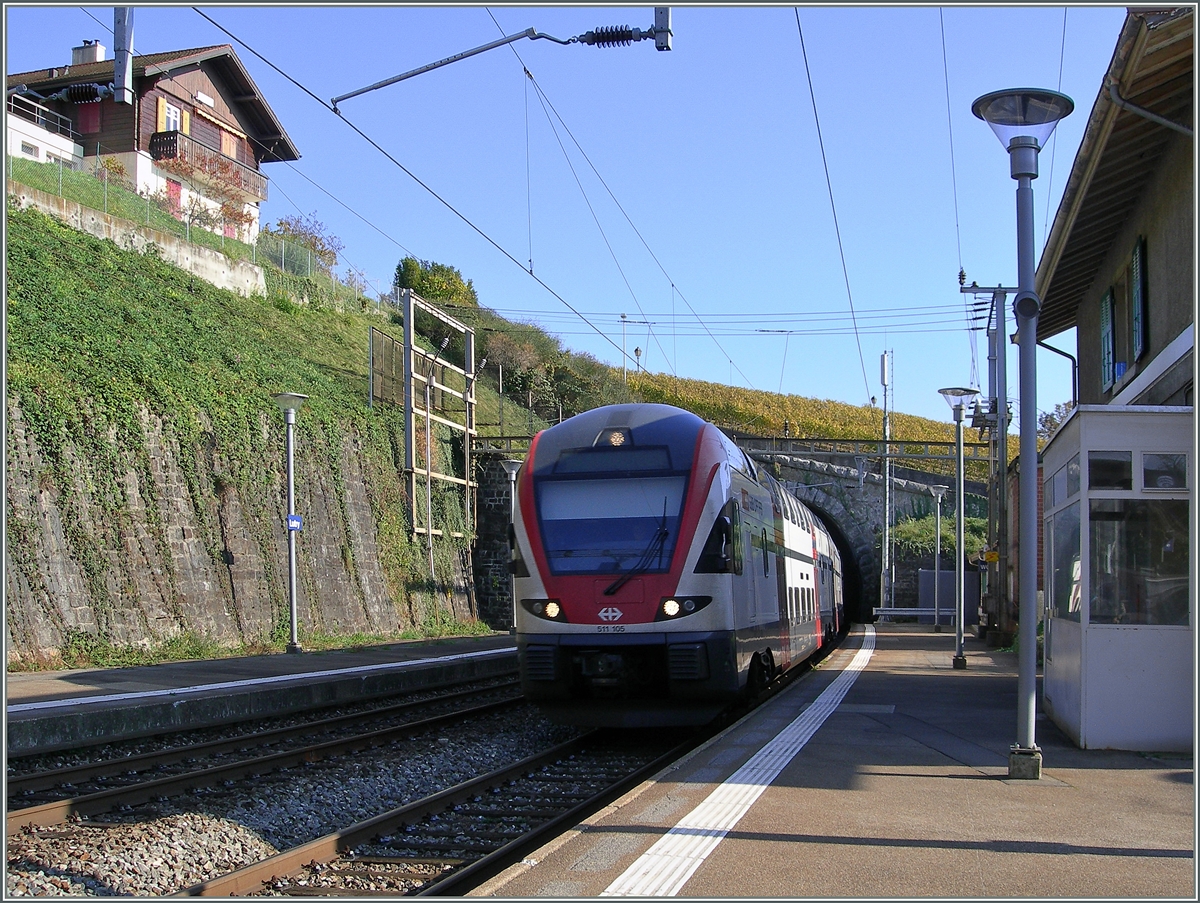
(167, 846)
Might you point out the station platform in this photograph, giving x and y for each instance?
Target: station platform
(48, 711)
(884, 774)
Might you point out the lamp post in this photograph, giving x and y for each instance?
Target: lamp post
(511, 468)
(1023, 119)
(290, 403)
(955, 398)
(938, 492)
(624, 358)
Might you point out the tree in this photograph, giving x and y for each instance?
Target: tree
(1050, 421)
(309, 232)
(215, 192)
(435, 282)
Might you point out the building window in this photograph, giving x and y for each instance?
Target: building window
(1123, 319)
(170, 118)
(1139, 561)
(30, 150)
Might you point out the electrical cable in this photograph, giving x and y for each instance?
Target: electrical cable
(1062, 52)
(412, 176)
(829, 185)
(596, 219)
(954, 186)
(645, 244)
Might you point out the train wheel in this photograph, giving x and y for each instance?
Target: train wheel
(760, 673)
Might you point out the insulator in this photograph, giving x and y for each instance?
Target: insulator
(610, 36)
(90, 93)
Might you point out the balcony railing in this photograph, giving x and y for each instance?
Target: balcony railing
(208, 165)
(36, 113)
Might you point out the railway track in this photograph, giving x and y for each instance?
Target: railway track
(454, 840)
(51, 797)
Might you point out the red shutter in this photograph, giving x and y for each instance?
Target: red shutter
(89, 118)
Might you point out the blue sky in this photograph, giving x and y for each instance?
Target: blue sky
(735, 272)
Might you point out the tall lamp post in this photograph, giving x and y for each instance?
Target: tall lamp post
(1023, 119)
(955, 397)
(290, 403)
(511, 468)
(938, 492)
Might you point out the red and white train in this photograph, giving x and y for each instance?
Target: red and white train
(659, 573)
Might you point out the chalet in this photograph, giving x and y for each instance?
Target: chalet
(196, 134)
(1120, 471)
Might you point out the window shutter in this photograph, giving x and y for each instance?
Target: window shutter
(161, 125)
(1137, 293)
(1106, 341)
(185, 122)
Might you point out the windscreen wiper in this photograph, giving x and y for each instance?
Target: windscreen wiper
(657, 543)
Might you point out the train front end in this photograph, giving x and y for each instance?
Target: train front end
(622, 614)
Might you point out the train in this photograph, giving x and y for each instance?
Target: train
(659, 574)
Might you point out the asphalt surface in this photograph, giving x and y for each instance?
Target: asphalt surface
(902, 791)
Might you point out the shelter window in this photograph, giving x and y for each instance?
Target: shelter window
(1161, 471)
(1064, 566)
(1139, 561)
(1110, 470)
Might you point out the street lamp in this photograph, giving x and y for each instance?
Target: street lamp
(290, 403)
(1023, 119)
(955, 397)
(511, 468)
(938, 492)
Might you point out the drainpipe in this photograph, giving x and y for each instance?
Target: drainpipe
(1143, 112)
(1074, 370)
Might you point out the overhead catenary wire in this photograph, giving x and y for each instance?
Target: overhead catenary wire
(636, 231)
(632, 294)
(829, 184)
(1062, 52)
(954, 190)
(412, 176)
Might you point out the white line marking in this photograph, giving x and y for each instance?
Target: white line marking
(664, 868)
(253, 681)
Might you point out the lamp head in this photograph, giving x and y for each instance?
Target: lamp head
(511, 468)
(290, 401)
(957, 395)
(1023, 112)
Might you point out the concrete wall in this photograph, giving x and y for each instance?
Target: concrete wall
(161, 544)
(212, 266)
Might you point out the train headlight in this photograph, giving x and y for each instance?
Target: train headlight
(548, 609)
(678, 606)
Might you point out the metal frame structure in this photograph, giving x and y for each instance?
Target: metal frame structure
(433, 392)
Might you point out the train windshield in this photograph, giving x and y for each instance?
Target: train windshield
(610, 525)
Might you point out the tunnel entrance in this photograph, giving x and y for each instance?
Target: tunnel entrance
(858, 607)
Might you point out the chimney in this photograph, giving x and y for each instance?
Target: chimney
(90, 52)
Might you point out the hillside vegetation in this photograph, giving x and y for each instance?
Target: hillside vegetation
(117, 358)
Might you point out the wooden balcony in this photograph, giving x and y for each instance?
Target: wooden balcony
(208, 165)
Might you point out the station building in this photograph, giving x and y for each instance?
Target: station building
(1119, 473)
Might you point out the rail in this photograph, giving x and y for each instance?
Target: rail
(39, 115)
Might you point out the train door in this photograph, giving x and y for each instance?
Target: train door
(743, 584)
